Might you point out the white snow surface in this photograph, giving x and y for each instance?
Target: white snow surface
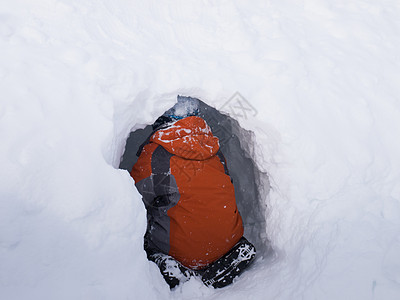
(77, 76)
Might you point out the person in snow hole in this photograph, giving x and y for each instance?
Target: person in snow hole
(194, 227)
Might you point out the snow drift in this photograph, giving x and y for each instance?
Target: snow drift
(320, 80)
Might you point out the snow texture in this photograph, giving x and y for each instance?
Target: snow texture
(318, 85)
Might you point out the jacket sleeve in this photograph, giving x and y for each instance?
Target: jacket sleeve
(153, 178)
(141, 173)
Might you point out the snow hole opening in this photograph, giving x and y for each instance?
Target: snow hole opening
(238, 145)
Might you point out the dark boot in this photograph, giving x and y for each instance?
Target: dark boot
(222, 272)
(173, 271)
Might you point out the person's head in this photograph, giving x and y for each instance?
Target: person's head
(185, 107)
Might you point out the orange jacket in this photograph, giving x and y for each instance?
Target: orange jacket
(188, 194)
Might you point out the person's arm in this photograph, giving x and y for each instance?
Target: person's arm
(153, 178)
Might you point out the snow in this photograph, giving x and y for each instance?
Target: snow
(320, 79)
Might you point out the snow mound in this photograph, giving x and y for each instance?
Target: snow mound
(318, 89)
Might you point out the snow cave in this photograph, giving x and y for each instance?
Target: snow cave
(237, 144)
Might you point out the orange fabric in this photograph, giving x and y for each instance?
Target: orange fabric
(205, 223)
(142, 168)
(190, 138)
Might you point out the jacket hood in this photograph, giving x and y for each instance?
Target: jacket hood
(190, 138)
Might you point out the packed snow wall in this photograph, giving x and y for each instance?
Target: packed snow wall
(78, 76)
(237, 145)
